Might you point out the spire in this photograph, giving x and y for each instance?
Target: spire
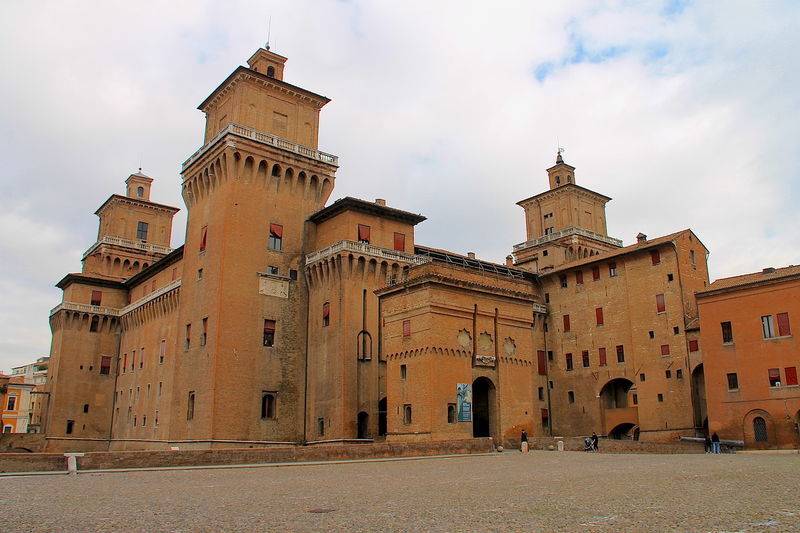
(559, 159)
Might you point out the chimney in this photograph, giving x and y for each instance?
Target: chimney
(380, 201)
(509, 260)
(641, 237)
(768, 270)
(471, 255)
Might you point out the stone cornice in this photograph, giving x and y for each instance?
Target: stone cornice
(570, 188)
(118, 198)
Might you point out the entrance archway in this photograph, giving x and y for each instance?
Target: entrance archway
(363, 425)
(483, 397)
(622, 431)
(614, 394)
(382, 417)
(699, 396)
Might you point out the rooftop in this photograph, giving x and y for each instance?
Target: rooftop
(767, 275)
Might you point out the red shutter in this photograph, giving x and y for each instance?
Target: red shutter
(363, 233)
(791, 375)
(598, 313)
(579, 277)
(693, 347)
(595, 273)
(545, 415)
(542, 362)
(269, 325)
(774, 373)
(783, 325)
(566, 322)
(603, 360)
(400, 242)
(203, 236)
(660, 304)
(276, 230)
(326, 310)
(97, 298)
(406, 328)
(655, 256)
(665, 349)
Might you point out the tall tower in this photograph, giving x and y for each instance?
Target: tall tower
(563, 224)
(240, 370)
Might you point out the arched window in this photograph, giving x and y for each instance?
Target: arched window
(364, 345)
(140, 192)
(268, 405)
(558, 180)
(271, 72)
(760, 429)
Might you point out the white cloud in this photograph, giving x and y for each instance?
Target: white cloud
(683, 112)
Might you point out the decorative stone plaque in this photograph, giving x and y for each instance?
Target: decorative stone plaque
(510, 346)
(273, 287)
(464, 339)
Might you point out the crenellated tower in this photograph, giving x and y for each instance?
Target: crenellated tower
(249, 190)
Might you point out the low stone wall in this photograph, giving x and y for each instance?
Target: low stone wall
(574, 444)
(21, 442)
(38, 462)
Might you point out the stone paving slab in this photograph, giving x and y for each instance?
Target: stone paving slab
(539, 491)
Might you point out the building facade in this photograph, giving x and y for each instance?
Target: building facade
(752, 357)
(281, 320)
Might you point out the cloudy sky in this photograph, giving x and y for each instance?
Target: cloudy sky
(686, 113)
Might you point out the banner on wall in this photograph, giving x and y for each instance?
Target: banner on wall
(464, 403)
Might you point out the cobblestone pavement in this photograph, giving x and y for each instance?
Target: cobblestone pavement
(540, 491)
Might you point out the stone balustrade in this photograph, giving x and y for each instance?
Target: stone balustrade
(127, 243)
(568, 232)
(366, 249)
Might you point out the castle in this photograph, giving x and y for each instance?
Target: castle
(281, 320)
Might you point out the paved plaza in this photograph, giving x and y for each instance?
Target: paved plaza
(540, 491)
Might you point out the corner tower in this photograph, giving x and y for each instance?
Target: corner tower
(563, 224)
(241, 370)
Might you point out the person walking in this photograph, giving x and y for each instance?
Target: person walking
(595, 442)
(523, 442)
(715, 442)
(709, 448)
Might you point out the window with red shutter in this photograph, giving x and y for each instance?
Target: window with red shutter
(655, 256)
(203, 236)
(665, 349)
(400, 242)
(791, 375)
(783, 325)
(595, 273)
(275, 237)
(774, 375)
(693, 347)
(269, 332)
(406, 328)
(579, 277)
(602, 354)
(598, 313)
(566, 322)
(661, 305)
(97, 297)
(326, 314)
(542, 362)
(363, 233)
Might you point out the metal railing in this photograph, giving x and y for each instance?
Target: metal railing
(264, 138)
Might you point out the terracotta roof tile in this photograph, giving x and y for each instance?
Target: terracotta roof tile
(768, 274)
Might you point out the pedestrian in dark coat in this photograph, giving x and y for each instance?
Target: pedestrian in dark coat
(715, 442)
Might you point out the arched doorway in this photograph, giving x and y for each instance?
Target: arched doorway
(382, 417)
(614, 394)
(483, 397)
(699, 396)
(758, 428)
(622, 431)
(363, 425)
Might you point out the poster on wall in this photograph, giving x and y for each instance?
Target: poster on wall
(464, 395)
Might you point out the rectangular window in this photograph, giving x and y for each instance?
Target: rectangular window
(190, 406)
(668, 374)
(267, 405)
(272, 270)
(595, 272)
(326, 314)
(293, 275)
(655, 257)
(545, 418)
(124, 362)
(203, 237)
(598, 315)
(585, 358)
(204, 332)
(321, 427)
(767, 327)
(105, 365)
(541, 394)
(174, 277)
(363, 233)
(664, 350)
(199, 274)
(549, 355)
(571, 396)
(727, 332)
(407, 413)
(602, 357)
(642, 377)
(694, 260)
(620, 354)
(784, 330)
(269, 332)
(141, 231)
(133, 359)
(661, 305)
(12, 403)
(275, 237)
(579, 277)
(162, 351)
(547, 297)
(403, 371)
(566, 323)
(774, 377)
(679, 374)
(406, 328)
(187, 342)
(541, 362)
(660, 397)
(451, 413)
(400, 242)
(791, 375)
(612, 269)
(549, 230)
(563, 279)
(97, 297)
(569, 361)
(733, 381)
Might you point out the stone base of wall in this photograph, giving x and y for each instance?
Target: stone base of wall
(21, 442)
(43, 462)
(574, 444)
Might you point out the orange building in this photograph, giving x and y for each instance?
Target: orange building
(282, 320)
(752, 357)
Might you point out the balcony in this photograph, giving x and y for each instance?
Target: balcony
(365, 249)
(569, 232)
(127, 243)
(263, 138)
(113, 311)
